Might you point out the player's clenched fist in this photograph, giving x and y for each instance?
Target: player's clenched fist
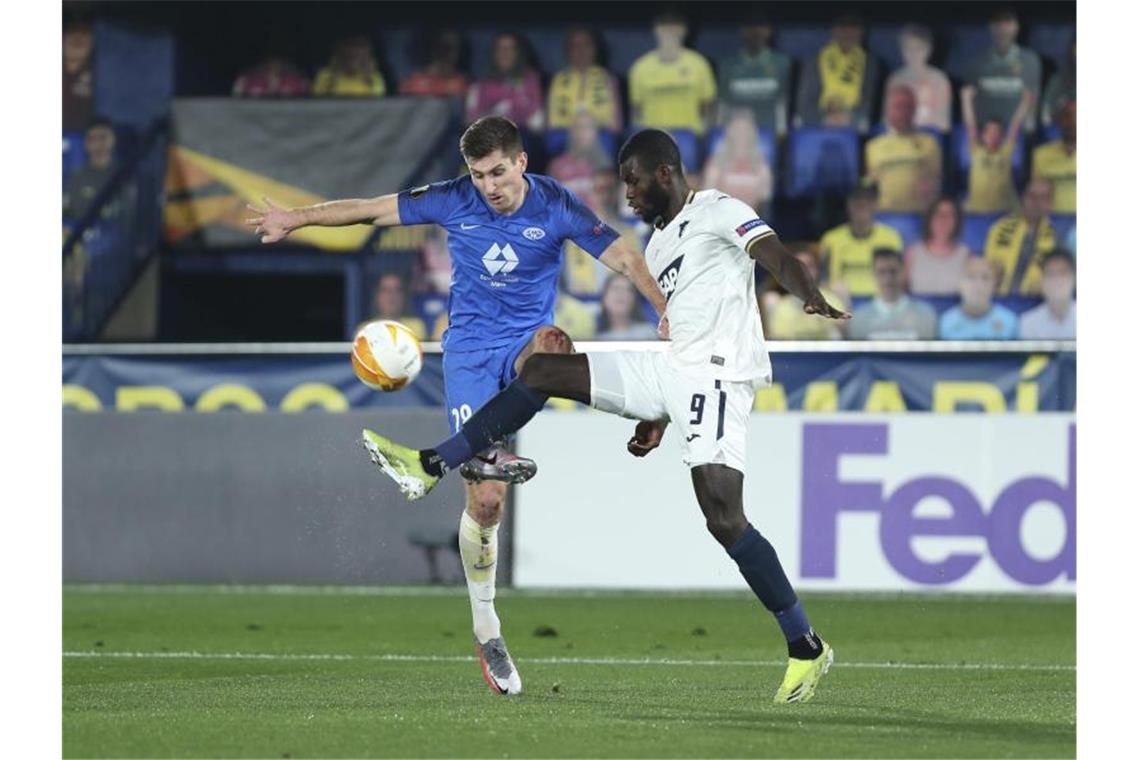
(272, 223)
(646, 437)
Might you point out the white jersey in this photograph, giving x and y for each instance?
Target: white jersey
(700, 262)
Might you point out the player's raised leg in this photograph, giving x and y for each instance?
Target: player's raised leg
(720, 490)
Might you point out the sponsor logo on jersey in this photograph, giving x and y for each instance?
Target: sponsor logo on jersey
(500, 259)
(416, 192)
(534, 233)
(667, 280)
(743, 229)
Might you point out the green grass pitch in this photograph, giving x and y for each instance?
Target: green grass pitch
(209, 672)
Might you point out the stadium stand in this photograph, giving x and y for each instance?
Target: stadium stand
(813, 167)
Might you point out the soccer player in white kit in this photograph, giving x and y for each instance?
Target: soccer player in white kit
(703, 252)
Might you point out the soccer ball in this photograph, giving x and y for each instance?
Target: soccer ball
(386, 355)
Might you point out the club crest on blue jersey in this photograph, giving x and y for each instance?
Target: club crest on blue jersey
(534, 233)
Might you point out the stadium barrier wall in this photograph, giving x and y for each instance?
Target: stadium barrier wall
(967, 503)
(248, 498)
(852, 500)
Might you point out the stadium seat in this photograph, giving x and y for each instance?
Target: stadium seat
(802, 42)
(975, 227)
(1062, 224)
(1049, 133)
(556, 139)
(1051, 41)
(883, 42)
(1018, 304)
(821, 159)
(966, 43)
(961, 145)
(766, 137)
(690, 146)
(909, 226)
(73, 156)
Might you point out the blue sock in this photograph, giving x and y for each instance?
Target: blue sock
(502, 415)
(765, 576)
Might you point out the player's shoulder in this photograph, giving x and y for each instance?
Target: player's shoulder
(643, 61)
(693, 57)
(550, 190)
(461, 185)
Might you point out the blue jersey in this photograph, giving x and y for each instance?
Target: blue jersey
(504, 268)
(999, 323)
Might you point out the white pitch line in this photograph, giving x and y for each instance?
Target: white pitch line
(663, 662)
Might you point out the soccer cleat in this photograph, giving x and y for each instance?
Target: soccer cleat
(802, 676)
(498, 668)
(500, 465)
(399, 463)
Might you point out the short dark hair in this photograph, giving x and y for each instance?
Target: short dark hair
(847, 20)
(652, 148)
(886, 253)
(98, 121)
(488, 134)
(929, 215)
(1060, 253)
(919, 32)
(670, 15)
(1004, 13)
(866, 189)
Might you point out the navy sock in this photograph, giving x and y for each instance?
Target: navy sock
(765, 576)
(495, 420)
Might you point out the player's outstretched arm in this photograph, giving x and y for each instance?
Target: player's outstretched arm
(624, 259)
(793, 275)
(273, 223)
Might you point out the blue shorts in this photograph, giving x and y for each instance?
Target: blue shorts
(472, 378)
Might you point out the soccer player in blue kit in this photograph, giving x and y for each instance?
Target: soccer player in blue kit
(505, 234)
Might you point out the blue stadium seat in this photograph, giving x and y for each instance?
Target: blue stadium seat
(1018, 304)
(1062, 224)
(907, 225)
(961, 145)
(690, 146)
(975, 227)
(883, 41)
(1051, 41)
(821, 159)
(556, 140)
(1049, 134)
(73, 156)
(766, 137)
(967, 42)
(801, 42)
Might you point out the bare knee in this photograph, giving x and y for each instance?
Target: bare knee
(485, 502)
(549, 339)
(725, 520)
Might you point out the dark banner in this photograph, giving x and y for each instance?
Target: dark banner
(884, 382)
(227, 152)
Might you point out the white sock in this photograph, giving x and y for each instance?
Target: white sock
(479, 549)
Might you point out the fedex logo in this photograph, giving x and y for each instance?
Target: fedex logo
(826, 495)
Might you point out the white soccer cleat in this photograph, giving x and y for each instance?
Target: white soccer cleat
(498, 667)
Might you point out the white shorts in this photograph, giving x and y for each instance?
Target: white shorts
(710, 415)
